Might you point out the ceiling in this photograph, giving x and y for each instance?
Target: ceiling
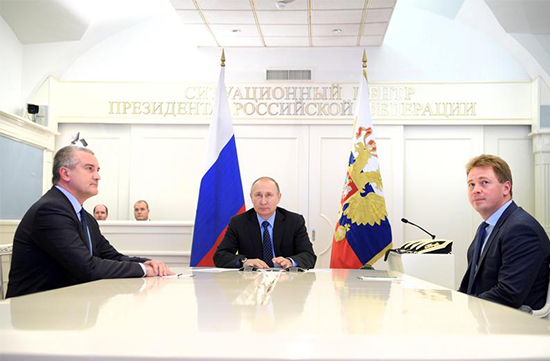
(522, 17)
(255, 23)
(286, 23)
(35, 21)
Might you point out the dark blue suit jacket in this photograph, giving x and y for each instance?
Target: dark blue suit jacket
(513, 268)
(50, 251)
(290, 239)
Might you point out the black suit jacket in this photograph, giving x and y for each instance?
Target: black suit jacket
(513, 268)
(243, 235)
(51, 251)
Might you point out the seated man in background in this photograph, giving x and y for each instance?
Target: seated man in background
(509, 257)
(101, 212)
(59, 244)
(141, 211)
(265, 236)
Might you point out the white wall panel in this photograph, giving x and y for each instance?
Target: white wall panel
(329, 151)
(390, 145)
(279, 152)
(515, 147)
(111, 145)
(435, 185)
(166, 166)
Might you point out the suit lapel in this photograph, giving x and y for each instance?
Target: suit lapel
(511, 208)
(278, 232)
(254, 232)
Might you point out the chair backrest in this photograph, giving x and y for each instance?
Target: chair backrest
(5, 249)
(545, 310)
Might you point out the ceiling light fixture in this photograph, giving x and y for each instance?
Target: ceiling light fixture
(236, 30)
(282, 4)
(336, 31)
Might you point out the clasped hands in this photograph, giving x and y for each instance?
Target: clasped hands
(258, 263)
(157, 268)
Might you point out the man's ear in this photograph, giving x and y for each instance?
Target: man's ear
(64, 174)
(507, 187)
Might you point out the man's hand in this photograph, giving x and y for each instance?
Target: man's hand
(282, 262)
(157, 268)
(255, 262)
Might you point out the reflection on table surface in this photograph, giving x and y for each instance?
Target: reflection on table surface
(324, 314)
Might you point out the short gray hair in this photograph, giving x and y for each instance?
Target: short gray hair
(65, 157)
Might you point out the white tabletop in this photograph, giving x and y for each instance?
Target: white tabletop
(231, 315)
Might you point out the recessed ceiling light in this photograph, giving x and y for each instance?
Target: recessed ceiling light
(282, 4)
(336, 31)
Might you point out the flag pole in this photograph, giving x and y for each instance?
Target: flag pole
(221, 192)
(363, 232)
(365, 65)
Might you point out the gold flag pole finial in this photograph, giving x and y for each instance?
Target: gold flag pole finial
(365, 64)
(223, 58)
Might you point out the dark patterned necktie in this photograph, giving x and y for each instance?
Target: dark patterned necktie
(85, 228)
(478, 244)
(266, 244)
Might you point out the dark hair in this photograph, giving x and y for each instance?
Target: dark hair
(106, 209)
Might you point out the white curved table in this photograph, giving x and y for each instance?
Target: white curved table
(321, 315)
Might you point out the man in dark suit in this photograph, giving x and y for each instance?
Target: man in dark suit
(265, 236)
(509, 258)
(59, 244)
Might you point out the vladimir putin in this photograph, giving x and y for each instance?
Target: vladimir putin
(266, 236)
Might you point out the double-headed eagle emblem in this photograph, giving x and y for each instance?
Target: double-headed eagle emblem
(361, 202)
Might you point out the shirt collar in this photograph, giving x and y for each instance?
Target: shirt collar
(492, 221)
(74, 202)
(270, 220)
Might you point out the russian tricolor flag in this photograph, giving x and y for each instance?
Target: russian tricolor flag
(221, 191)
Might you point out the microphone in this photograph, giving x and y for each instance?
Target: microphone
(405, 220)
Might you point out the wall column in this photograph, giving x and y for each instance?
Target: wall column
(541, 152)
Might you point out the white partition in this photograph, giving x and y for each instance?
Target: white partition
(166, 241)
(434, 268)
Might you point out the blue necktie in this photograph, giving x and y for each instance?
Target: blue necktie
(478, 244)
(85, 228)
(266, 244)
